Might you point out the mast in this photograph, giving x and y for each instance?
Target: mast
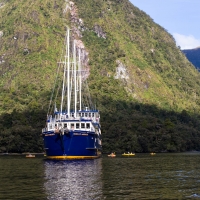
(80, 86)
(68, 74)
(75, 85)
(63, 88)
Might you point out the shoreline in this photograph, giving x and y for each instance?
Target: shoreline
(20, 154)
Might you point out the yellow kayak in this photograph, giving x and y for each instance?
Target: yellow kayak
(128, 154)
(30, 156)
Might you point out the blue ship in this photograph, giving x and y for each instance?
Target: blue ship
(73, 131)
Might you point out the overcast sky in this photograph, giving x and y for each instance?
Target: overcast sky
(181, 18)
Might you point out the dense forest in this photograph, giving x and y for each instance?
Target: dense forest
(147, 91)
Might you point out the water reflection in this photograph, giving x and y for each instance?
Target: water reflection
(73, 179)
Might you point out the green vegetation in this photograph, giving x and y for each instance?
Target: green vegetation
(153, 107)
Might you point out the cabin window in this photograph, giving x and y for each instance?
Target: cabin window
(72, 114)
(82, 125)
(92, 114)
(87, 125)
(89, 114)
(65, 125)
(77, 125)
(72, 125)
(82, 114)
(79, 114)
(86, 114)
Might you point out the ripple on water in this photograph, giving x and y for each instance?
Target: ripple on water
(163, 176)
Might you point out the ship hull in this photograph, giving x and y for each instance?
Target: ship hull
(72, 145)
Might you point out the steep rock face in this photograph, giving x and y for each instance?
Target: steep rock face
(193, 55)
(110, 34)
(98, 30)
(1, 4)
(77, 27)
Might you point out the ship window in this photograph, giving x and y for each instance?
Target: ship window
(79, 114)
(72, 125)
(87, 125)
(77, 125)
(86, 114)
(89, 114)
(92, 114)
(82, 114)
(50, 126)
(65, 125)
(72, 114)
(82, 125)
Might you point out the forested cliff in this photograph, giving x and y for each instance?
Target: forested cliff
(146, 89)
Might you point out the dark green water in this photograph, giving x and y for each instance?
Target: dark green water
(163, 176)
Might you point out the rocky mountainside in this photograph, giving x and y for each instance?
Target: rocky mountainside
(193, 55)
(147, 90)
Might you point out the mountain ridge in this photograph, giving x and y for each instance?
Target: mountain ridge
(193, 55)
(146, 89)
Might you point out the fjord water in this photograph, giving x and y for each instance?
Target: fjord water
(162, 176)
